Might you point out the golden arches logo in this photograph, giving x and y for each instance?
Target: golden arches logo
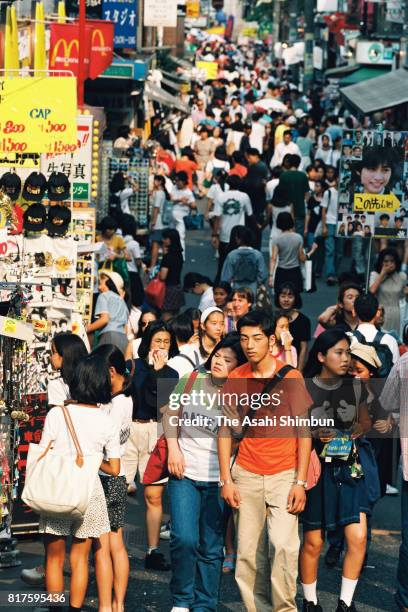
(67, 48)
(102, 46)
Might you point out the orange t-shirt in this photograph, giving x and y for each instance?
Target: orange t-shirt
(187, 166)
(269, 449)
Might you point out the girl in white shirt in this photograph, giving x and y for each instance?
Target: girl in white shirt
(113, 550)
(89, 388)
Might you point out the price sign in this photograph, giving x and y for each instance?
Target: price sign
(38, 114)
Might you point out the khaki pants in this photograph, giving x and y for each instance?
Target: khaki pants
(141, 442)
(268, 541)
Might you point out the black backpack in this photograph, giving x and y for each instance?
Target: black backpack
(383, 351)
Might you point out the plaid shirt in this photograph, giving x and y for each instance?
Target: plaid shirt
(394, 398)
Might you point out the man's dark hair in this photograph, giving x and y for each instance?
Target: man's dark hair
(295, 160)
(257, 318)
(285, 222)
(90, 382)
(345, 287)
(192, 279)
(384, 216)
(182, 176)
(234, 181)
(182, 326)
(244, 292)
(366, 307)
(287, 132)
(253, 151)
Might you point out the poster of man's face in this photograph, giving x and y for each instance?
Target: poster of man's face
(374, 165)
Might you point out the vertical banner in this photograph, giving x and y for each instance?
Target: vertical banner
(64, 47)
(78, 165)
(123, 13)
(373, 187)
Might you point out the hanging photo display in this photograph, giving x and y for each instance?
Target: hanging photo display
(373, 186)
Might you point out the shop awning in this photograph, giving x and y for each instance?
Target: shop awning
(163, 97)
(382, 92)
(363, 74)
(181, 62)
(339, 71)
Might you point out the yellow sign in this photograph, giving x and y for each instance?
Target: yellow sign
(249, 31)
(373, 202)
(192, 9)
(219, 30)
(38, 114)
(209, 68)
(9, 326)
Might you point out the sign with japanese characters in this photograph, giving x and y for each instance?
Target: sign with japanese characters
(160, 13)
(373, 187)
(38, 114)
(77, 165)
(123, 13)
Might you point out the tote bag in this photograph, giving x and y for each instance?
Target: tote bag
(60, 485)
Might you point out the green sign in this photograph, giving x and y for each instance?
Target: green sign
(81, 191)
(119, 71)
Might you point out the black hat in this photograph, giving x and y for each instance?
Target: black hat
(34, 218)
(10, 183)
(34, 187)
(58, 187)
(58, 220)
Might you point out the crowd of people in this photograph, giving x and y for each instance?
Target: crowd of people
(237, 491)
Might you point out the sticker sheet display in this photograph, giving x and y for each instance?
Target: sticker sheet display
(373, 186)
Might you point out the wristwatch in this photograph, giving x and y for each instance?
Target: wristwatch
(221, 483)
(301, 483)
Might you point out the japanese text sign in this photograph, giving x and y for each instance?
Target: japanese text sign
(38, 114)
(78, 165)
(160, 13)
(123, 13)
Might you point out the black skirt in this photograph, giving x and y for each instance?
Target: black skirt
(136, 289)
(288, 275)
(173, 299)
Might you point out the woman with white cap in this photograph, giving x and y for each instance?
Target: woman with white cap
(111, 311)
(211, 330)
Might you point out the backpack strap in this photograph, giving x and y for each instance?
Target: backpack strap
(378, 337)
(280, 375)
(359, 336)
(188, 359)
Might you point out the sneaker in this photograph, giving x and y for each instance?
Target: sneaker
(156, 561)
(332, 556)
(178, 609)
(165, 534)
(342, 607)
(34, 576)
(390, 490)
(331, 281)
(309, 606)
(132, 488)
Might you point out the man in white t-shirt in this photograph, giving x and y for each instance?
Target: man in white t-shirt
(230, 209)
(328, 231)
(284, 148)
(183, 200)
(257, 135)
(366, 307)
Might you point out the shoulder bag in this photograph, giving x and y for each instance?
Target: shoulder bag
(60, 485)
(156, 468)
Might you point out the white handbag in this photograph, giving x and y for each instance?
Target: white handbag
(60, 485)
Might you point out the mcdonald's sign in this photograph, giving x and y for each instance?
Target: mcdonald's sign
(64, 47)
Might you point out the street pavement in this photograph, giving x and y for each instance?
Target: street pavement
(148, 591)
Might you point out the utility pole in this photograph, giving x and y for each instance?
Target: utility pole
(309, 37)
(293, 34)
(276, 17)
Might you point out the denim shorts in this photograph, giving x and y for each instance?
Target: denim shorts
(156, 236)
(336, 500)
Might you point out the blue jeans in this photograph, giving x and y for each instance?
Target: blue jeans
(402, 572)
(196, 543)
(330, 250)
(300, 226)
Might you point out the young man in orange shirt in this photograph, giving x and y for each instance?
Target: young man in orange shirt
(266, 486)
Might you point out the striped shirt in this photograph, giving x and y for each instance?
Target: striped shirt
(394, 398)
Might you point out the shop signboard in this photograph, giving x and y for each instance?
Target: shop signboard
(123, 13)
(210, 69)
(376, 52)
(38, 114)
(373, 187)
(160, 13)
(192, 9)
(19, 160)
(77, 165)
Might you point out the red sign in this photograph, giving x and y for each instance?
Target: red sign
(64, 47)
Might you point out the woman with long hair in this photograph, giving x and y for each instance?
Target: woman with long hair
(149, 314)
(388, 283)
(196, 510)
(152, 379)
(89, 390)
(112, 553)
(340, 498)
(170, 273)
(289, 301)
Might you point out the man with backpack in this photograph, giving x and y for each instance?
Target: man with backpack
(244, 266)
(230, 208)
(366, 308)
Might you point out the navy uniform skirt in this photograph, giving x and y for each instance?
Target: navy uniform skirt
(336, 500)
